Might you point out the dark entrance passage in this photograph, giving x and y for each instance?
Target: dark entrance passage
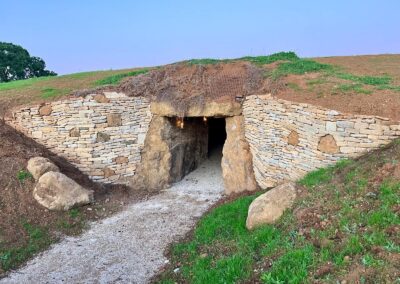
(191, 141)
(216, 135)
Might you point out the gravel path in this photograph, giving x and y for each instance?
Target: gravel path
(128, 247)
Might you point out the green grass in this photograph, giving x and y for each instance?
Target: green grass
(259, 60)
(116, 79)
(38, 239)
(47, 93)
(299, 67)
(21, 84)
(389, 87)
(355, 87)
(23, 175)
(203, 61)
(294, 86)
(367, 80)
(222, 250)
(268, 59)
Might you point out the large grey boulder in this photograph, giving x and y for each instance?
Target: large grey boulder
(56, 191)
(269, 207)
(38, 166)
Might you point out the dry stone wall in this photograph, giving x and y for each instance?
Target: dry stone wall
(289, 139)
(101, 134)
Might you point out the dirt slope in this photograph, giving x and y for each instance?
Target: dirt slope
(25, 226)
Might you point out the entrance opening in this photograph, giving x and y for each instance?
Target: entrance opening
(193, 140)
(216, 135)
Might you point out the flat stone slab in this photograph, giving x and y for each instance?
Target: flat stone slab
(128, 247)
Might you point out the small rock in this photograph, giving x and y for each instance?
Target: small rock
(371, 195)
(269, 207)
(176, 270)
(347, 258)
(89, 209)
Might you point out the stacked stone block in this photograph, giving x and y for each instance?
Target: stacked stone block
(289, 139)
(101, 134)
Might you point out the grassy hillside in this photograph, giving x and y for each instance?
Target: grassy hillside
(344, 228)
(354, 84)
(52, 88)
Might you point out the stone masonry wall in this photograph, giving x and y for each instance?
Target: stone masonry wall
(289, 139)
(101, 134)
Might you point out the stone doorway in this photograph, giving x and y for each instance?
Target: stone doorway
(174, 147)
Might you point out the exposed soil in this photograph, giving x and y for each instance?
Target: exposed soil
(325, 91)
(372, 65)
(318, 89)
(196, 85)
(18, 205)
(129, 246)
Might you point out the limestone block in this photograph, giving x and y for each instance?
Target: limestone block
(121, 160)
(74, 132)
(327, 144)
(100, 98)
(114, 119)
(293, 138)
(102, 137)
(331, 126)
(45, 110)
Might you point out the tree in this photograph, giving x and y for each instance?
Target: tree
(16, 64)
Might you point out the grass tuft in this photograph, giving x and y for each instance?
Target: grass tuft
(367, 80)
(23, 175)
(268, 59)
(357, 88)
(299, 67)
(116, 79)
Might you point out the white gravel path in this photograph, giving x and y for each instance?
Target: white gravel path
(128, 247)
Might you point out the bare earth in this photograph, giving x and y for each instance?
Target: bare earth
(128, 247)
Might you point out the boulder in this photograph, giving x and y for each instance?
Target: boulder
(38, 166)
(269, 207)
(237, 161)
(56, 191)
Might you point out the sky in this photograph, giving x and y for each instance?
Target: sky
(84, 35)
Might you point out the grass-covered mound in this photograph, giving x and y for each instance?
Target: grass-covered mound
(345, 225)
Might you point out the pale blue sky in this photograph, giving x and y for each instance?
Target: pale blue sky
(83, 35)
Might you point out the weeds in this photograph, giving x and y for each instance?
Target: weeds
(259, 60)
(299, 67)
(116, 79)
(367, 80)
(23, 175)
(268, 59)
(357, 88)
(38, 238)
